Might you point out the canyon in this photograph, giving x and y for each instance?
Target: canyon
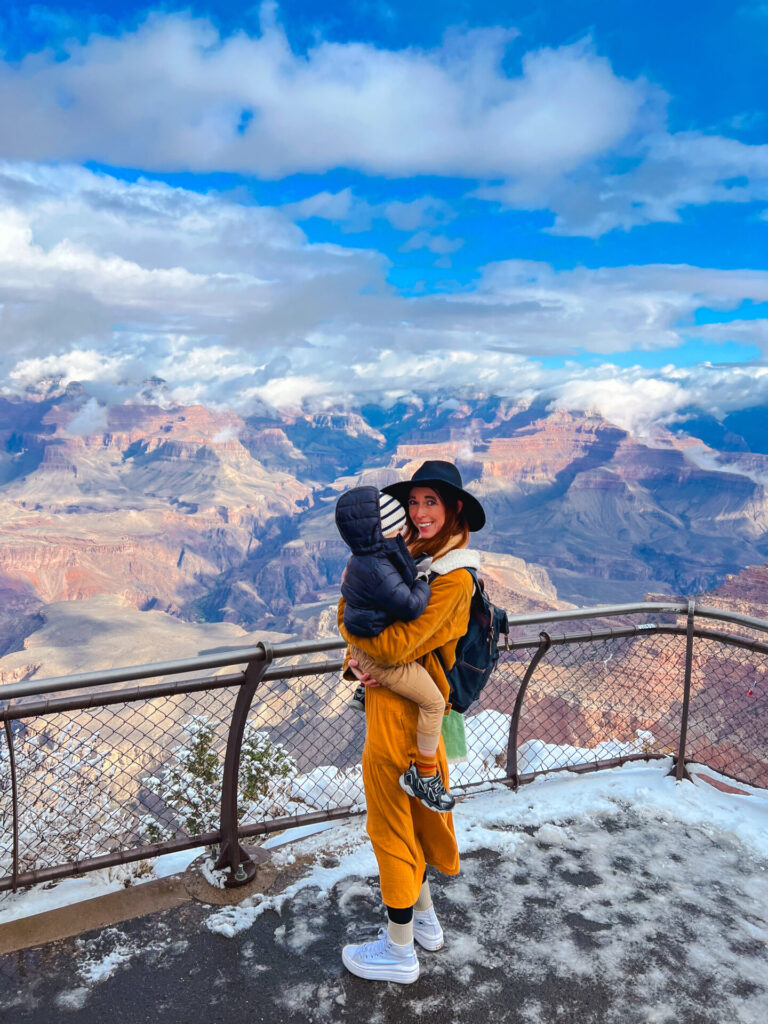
(211, 515)
(134, 532)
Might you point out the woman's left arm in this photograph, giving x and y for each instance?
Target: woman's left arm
(444, 619)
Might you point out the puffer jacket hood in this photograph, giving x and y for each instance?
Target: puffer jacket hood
(358, 518)
(380, 583)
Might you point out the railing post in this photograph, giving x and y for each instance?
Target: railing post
(231, 854)
(680, 771)
(545, 642)
(14, 805)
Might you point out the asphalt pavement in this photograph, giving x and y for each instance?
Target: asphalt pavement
(615, 919)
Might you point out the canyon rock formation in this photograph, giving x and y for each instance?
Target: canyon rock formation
(215, 517)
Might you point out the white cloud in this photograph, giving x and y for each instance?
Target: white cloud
(529, 307)
(174, 94)
(333, 206)
(356, 214)
(426, 211)
(746, 332)
(671, 172)
(631, 401)
(76, 365)
(439, 244)
(640, 400)
(95, 263)
(228, 433)
(68, 264)
(113, 283)
(90, 419)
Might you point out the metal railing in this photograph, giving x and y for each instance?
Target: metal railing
(106, 768)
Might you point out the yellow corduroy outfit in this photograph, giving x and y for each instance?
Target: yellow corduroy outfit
(405, 834)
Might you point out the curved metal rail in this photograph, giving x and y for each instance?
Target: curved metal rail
(260, 663)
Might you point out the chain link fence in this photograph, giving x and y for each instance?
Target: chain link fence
(114, 775)
(91, 781)
(728, 724)
(587, 702)
(312, 720)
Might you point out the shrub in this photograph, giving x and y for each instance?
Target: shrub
(190, 786)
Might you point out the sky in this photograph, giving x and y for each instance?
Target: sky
(304, 206)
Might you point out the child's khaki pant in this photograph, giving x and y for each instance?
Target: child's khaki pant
(414, 682)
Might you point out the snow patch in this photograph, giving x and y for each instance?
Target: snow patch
(328, 786)
(214, 878)
(229, 921)
(94, 971)
(352, 892)
(73, 999)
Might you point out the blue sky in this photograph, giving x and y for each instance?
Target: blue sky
(272, 202)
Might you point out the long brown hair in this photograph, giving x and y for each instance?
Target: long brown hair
(454, 532)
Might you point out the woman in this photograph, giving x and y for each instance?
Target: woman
(406, 836)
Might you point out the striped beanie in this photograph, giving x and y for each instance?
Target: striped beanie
(392, 515)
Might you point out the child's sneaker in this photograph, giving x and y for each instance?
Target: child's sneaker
(429, 790)
(358, 699)
(382, 960)
(426, 929)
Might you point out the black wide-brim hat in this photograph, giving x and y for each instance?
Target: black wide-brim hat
(443, 476)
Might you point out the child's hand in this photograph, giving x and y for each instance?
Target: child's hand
(423, 566)
(363, 677)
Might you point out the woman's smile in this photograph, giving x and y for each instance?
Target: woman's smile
(427, 511)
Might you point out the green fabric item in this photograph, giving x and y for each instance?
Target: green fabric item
(454, 737)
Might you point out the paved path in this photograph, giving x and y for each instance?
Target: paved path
(600, 923)
(283, 969)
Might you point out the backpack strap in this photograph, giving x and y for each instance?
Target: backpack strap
(475, 588)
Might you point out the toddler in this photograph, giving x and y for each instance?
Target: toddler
(382, 584)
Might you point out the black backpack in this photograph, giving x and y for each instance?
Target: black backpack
(477, 652)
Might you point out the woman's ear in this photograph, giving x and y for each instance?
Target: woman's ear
(459, 505)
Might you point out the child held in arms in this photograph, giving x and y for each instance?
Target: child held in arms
(382, 584)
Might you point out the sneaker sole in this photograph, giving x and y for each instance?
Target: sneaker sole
(438, 810)
(430, 945)
(370, 972)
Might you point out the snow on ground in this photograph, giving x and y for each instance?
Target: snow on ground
(499, 821)
(327, 786)
(652, 891)
(53, 895)
(488, 735)
(620, 896)
(105, 954)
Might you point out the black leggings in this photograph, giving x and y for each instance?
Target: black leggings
(402, 915)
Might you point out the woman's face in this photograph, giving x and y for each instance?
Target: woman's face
(427, 511)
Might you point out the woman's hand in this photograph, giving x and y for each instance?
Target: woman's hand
(362, 677)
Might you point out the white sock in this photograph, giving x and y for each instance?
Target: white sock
(424, 902)
(400, 934)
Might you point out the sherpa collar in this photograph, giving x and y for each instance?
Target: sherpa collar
(459, 558)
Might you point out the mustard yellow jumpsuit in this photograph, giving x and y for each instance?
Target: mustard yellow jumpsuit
(405, 834)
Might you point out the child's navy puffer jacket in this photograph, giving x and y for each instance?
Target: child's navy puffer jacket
(380, 585)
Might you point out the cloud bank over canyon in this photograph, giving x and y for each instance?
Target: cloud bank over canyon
(344, 222)
(111, 283)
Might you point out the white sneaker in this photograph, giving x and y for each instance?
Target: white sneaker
(426, 929)
(382, 960)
